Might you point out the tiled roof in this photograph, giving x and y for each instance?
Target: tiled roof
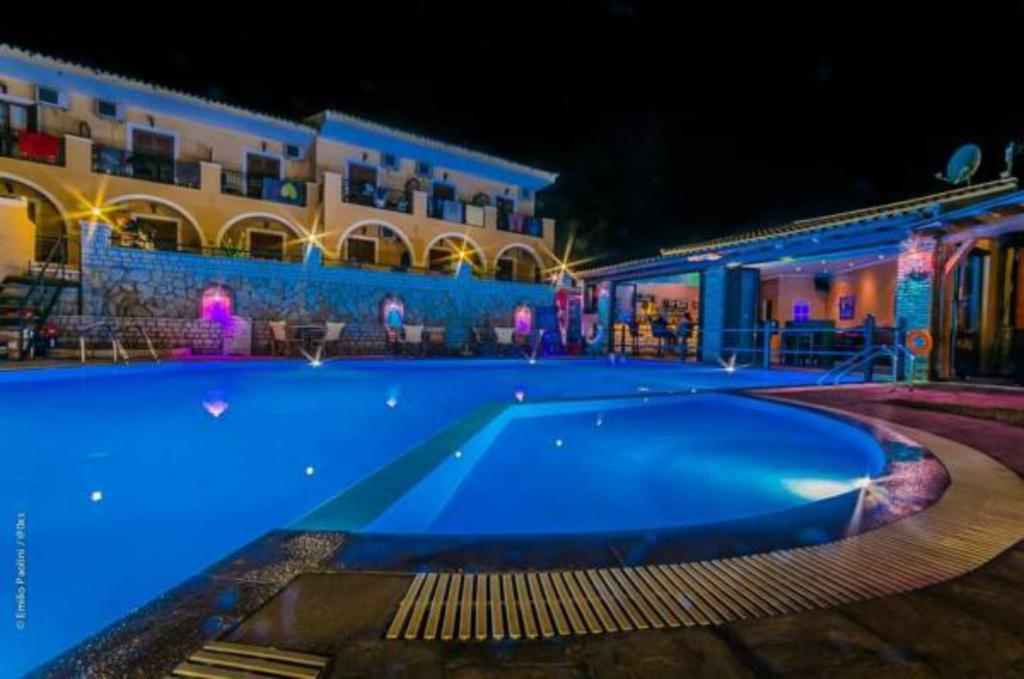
(871, 214)
(444, 147)
(133, 83)
(817, 224)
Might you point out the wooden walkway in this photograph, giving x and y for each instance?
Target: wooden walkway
(226, 660)
(980, 515)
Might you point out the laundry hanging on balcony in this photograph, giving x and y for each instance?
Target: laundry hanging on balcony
(282, 191)
(474, 215)
(39, 146)
(453, 211)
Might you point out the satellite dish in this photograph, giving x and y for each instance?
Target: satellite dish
(962, 165)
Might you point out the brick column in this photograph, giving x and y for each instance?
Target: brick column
(915, 280)
(712, 313)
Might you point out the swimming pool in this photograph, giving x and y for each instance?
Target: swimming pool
(120, 483)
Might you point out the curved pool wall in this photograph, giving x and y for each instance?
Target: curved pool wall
(130, 480)
(633, 464)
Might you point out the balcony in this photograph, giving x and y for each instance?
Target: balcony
(37, 147)
(286, 191)
(158, 169)
(516, 223)
(381, 197)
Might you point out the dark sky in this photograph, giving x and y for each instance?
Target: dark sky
(668, 122)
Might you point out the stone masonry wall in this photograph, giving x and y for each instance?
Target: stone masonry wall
(120, 282)
(915, 277)
(202, 337)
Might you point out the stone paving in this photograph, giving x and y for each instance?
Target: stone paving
(971, 626)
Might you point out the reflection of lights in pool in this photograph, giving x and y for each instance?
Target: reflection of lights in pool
(520, 395)
(559, 443)
(532, 361)
(216, 407)
(391, 402)
(458, 454)
(643, 389)
(96, 495)
(819, 489)
(310, 470)
(600, 421)
(693, 390)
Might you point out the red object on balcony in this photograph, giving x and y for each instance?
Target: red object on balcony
(39, 146)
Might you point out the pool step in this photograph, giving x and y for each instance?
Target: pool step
(980, 515)
(227, 660)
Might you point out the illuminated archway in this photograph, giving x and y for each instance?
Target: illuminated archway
(445, 252)
(44, 210)
(263, 236)
(390, 246)
(165, 224)
(518, 262)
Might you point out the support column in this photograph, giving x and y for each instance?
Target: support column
(915, 281)
(712, 313)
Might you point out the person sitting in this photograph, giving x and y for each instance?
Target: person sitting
(661, 332)
(683, 331)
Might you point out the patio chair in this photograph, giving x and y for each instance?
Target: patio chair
(332, 336)
(435, 338)
(412, 337)
(505, 339)
(280, 342)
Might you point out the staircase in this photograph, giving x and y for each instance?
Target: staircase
(28, 300)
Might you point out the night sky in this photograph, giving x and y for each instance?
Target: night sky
(667, 123)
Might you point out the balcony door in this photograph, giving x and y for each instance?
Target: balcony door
(266, 245)
(362, 184)
(152, 155)
(260, 166)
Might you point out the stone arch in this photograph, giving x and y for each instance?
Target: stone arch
(157, 200)
(479, 260)
(52, 220)
(153, 215)
(235, 234)
(521, 272)
(365, 227)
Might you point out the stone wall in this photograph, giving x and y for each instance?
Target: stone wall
(120, 282)
(915, 277)
(201, 337)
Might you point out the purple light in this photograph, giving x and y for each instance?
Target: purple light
(523, 320)
(216, 305)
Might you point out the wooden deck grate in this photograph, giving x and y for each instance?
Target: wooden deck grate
(980, 515)
(225, 660)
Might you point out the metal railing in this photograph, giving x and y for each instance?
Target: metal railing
(818, 345)
(134, 242)
(518, 223)
(145, 167)
(37, 147)
(118, 351)
(287, 191)
(381, 197)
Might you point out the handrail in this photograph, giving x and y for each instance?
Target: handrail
(117, 348)
(24, 344)
(145, 336)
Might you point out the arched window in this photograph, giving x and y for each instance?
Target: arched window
(216, 304)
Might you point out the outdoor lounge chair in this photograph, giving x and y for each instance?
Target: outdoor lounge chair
(280, 343)
(412, 337)
(435, 338)
(332, 336)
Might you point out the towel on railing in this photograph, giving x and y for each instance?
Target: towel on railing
(39, 146)
(453, 211)
(282, 191)
(515, 222)
(474, 215)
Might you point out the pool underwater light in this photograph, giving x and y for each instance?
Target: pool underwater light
(96, 495)
(520, 395)
(216, 407)
(392, 402)
(310, 470)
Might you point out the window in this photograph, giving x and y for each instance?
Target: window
(163, 233)
(363, 250)
(506, 270)
(389, 161)
(262, 165)
(294, 152)
(110, 110)
(51, 96)
(526, 193)
(801, 310)
(440, 259)
(149, 142)
(424, 169)
(266, 245)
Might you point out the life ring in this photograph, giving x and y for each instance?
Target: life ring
(919, 342)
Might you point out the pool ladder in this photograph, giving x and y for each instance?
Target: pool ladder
(865, 357)
(117, 348)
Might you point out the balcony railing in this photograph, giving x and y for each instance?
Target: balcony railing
(287, 191)
(458, 211)
(134, 241)
(38, 147)
(159, 169)
(517, 223)
(371, 195)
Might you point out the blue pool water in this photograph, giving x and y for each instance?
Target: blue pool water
(129, 480)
